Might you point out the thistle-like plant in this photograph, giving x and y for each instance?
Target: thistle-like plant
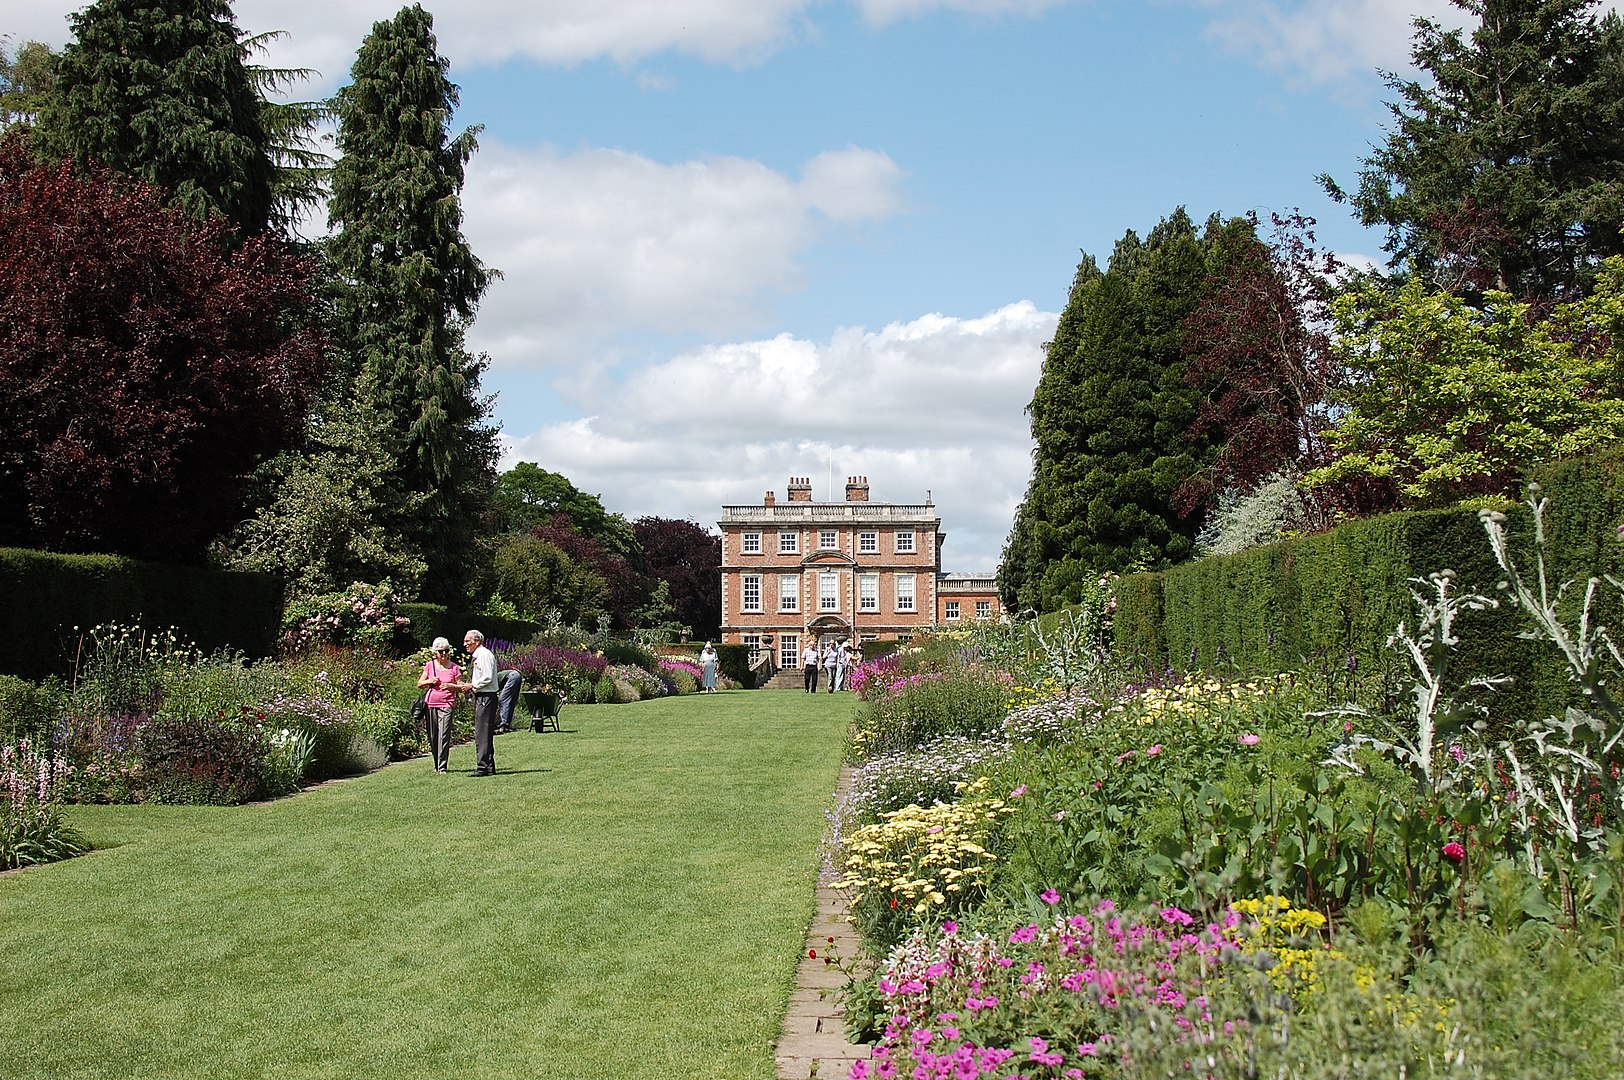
(1575, 783)
(1439, 711)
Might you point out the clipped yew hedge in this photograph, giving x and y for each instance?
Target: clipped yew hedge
(1330, 601)
(49, 595)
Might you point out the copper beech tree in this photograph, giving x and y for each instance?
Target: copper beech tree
(150, 362)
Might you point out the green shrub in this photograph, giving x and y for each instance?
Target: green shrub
(632, 654)
(287, 759)
(581, 690)
(50, 596)
(363, 615)
(331, 728)
(222, 684)
(30, 710)
(31, 828)
(119, 669)
(733, 661)
(604, 691)
(389, 726)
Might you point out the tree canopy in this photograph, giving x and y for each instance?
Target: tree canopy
(407, 284)
(688, 558)
(1112, 417)
(150, 367)
(1504, 167)
(1449, 400)
(161, 92)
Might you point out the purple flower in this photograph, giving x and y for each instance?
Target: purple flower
(1049, 896)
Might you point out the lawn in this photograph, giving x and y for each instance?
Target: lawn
(626, 898)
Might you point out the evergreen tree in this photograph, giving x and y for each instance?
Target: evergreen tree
(1505, 170)
(407, 286)
(160, 91)
(1112, 417)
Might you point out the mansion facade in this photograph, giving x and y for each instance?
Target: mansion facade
(801, 571)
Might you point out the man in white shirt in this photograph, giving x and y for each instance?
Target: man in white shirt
(809, 667)
(482, 682)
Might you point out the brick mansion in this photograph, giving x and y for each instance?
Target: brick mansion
(828, 571)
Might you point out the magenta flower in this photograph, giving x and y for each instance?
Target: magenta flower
(1049, 896)
(1454, 852)
(1018, 792)
(1154, 750)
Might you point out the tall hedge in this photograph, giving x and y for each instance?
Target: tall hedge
(51, 598)
(1332, 600)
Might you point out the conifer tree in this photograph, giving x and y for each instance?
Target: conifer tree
(160, 91)
(408, 283)
(1112, 417)
(1505, 168)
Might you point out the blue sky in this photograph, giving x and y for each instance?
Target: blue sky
(748, 239)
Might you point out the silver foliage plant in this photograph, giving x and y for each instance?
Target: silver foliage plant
(1563, 794)
(1275, 507)
(1444, 715)
(1573, 750)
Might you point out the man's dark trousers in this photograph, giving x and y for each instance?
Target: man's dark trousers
(485, 717)
(811, 678)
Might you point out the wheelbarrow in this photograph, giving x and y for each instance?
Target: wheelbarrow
(544, 706)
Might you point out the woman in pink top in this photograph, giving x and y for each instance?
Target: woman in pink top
(439, 677)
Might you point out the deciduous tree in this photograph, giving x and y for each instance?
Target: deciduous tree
(1258, 350)
(149, 368)
(1450, 400)
(688, 558)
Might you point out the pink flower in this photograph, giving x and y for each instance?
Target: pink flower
(950, 928)
(1249, 739)
(1049, 896)
(1454, 852)
(1018, 792)
(1154, 750)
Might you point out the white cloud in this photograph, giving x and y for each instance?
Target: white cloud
(1324, 42)
(884, 12)
(935, 404)
(595, 242)
(325, 36)
(1331, 42)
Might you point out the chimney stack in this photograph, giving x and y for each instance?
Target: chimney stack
(769, 499)
(800, 489)
(856, 489)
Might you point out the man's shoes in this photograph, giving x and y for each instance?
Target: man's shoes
(483, 772)
(503, 730)
(439, 768)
